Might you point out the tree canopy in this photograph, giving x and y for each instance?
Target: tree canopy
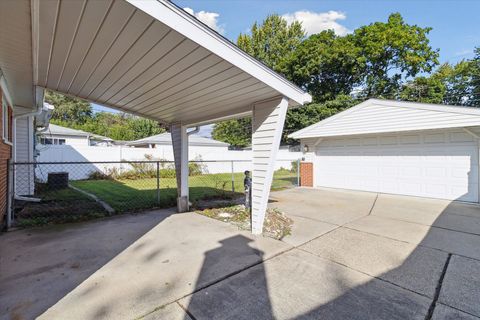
(390, 53)
(273, 41)
(375, 60)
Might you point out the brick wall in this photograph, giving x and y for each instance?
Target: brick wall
(5, 154)
(306, 174)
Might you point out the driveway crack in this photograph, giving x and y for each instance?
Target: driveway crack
(373, 205)
(438, 289)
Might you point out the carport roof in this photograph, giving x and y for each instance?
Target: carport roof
(148, 58)
(383, 116)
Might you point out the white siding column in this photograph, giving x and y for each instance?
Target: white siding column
(180, 154)
(268, 119)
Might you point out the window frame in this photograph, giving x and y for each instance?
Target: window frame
(6, 121)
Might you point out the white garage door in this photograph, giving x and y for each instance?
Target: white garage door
(436, 164)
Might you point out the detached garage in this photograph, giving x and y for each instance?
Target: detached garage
(396, 147)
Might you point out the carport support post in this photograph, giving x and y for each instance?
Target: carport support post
(267, 127)
(180, 154)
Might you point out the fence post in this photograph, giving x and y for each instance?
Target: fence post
(10, 191)
(233, 178)
(158, 182)
(298, 172)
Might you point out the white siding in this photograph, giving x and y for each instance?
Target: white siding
(432, 163)
(268, 120)
(375, 116)
(69, 140)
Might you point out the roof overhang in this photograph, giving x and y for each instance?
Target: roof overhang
(387, 116)
(148, 58)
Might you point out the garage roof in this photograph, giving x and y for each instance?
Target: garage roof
(166, 139)
(382, 116)
(148, 58)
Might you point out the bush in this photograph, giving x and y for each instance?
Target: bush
(99, 175)
(294, 166)
(195, 169)
(167, 173)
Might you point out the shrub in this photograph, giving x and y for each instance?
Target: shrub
(195, 168)
(99, 175)
(294, 166)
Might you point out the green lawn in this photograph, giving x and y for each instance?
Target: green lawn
(130, 195)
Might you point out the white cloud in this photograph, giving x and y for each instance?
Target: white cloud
(314, 22)
(465, 52)
(209, 18)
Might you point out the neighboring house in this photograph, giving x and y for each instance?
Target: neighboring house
(58, 135)
(165, 139)
(396, 147)
(198, 147)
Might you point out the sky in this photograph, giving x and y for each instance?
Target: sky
(455, 23)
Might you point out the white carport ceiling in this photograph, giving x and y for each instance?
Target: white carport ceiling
(149, 58)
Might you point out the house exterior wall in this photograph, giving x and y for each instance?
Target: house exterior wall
(5, 156)
(69, 140)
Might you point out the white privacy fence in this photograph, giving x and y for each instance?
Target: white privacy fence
(107, 159)
(214, 159)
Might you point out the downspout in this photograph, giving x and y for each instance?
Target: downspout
(39, 95)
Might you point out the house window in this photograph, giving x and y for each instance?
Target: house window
(52, 141)
(46, 141)
(5, 120)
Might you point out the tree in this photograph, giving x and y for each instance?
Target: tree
(424, 89)
(326, 65)
(390, 53)
(476, 79)
(77, 114)
(273, 41)
(458, 82)
(68, 110)
(374, 61)
(237, 133)
(122, 126)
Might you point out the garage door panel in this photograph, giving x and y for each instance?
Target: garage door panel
(426, 165)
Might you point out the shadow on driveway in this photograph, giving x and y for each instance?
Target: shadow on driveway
(38, 267)
(389, 263)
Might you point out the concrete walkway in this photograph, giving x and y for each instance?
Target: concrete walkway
(352, 255)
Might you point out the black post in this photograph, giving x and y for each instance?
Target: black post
(247, 183)
(158, 182)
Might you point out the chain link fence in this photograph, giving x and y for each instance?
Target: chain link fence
(47, 192)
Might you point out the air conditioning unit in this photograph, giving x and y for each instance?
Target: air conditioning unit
(43, 118)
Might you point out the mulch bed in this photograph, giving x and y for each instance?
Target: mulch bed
(277, 225)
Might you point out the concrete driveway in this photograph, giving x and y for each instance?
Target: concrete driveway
(352, 255)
